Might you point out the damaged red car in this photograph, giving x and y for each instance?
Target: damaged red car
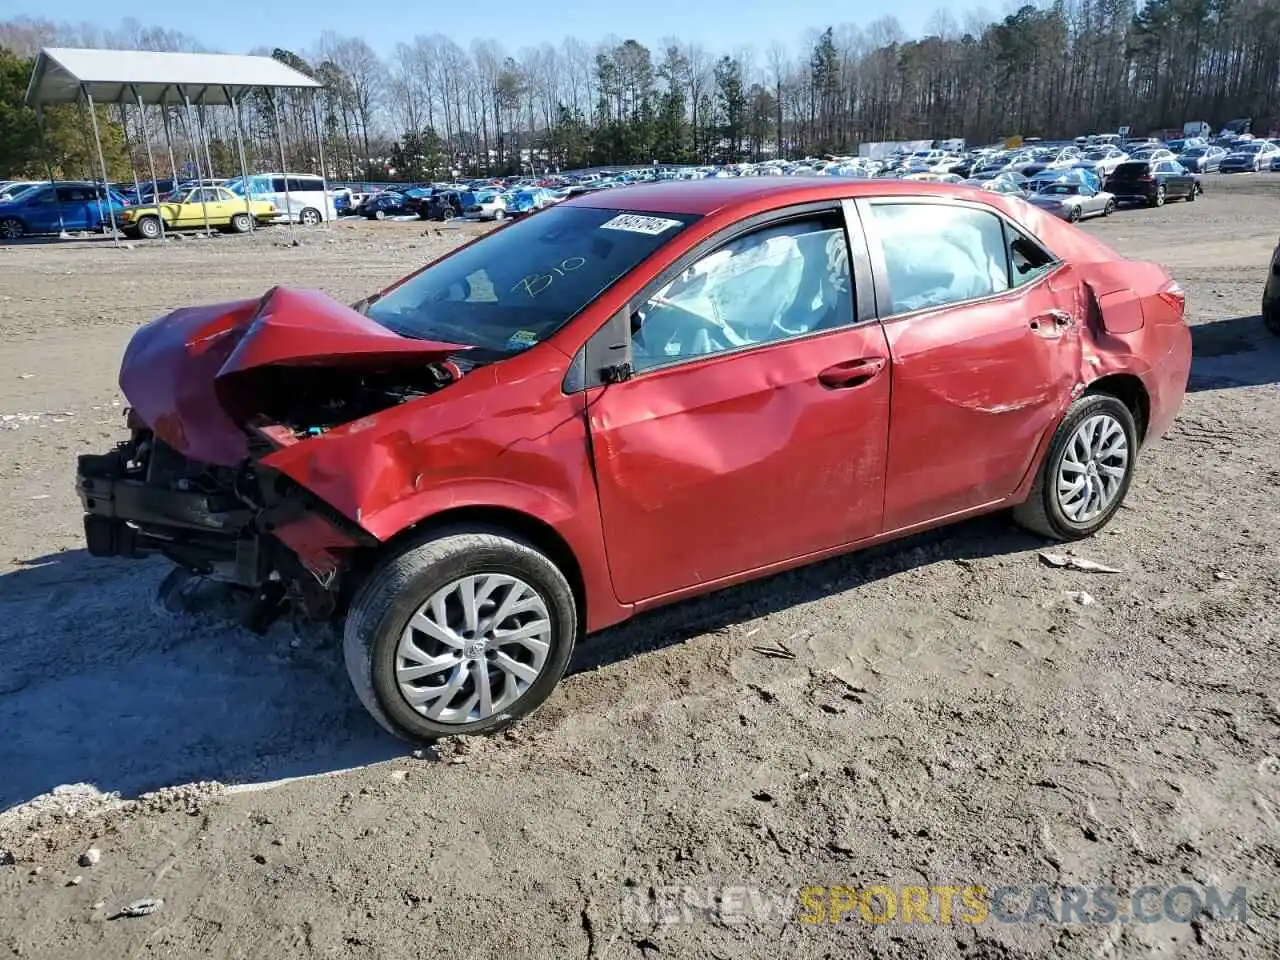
(632, 397)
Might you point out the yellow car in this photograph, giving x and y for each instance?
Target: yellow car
(186, 211)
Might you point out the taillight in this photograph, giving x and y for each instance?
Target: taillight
(1173, 294)
(1146, 178)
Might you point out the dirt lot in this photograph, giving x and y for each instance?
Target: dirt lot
(952, 715)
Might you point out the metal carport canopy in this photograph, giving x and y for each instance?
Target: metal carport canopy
(64, 75)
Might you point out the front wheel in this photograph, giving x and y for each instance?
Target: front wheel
(462, 633)
(150, 228)
(11, 228)
(1086, 472)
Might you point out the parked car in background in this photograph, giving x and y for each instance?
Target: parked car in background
(1152, 154)
(1073, 201)
(528, 200)
(445, 205)
(487, 204)
(1102, 160)
(386, 203)
(493, 457)
(300, 198)
(1251, 156)
(1152, 182)
(52, 208)
(188, 210)
(1204, 159)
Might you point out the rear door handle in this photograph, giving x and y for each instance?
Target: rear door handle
(851, 373)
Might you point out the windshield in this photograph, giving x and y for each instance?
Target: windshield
(1194, 152)
(1253, 147)
(1060, 189)
(522, 283)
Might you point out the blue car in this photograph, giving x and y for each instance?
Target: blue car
(527, 201)
(53, 208)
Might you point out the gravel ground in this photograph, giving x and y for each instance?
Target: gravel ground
(949, 714)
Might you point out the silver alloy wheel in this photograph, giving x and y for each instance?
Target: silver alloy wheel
(1093, 468)
(309, 217)
(473, 649)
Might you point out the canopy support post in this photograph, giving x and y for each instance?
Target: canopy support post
(288, 204)
(106, 186)
(151, 163)
(48, 165)
(168, 141)
(324, 178)
(128, 148)
(204, 133)
(244, 165)
(195, 156)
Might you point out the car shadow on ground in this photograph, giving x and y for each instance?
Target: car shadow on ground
(101, 685)
(1236, 352)
(987, 536)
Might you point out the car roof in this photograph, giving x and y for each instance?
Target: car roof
(712, 196)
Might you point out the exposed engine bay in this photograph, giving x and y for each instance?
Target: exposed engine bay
(310, 400)
(214, 392)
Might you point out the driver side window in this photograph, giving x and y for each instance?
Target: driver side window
(781, 281)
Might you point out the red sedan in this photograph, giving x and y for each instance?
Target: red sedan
(626, 399)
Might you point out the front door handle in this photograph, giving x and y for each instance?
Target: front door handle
(851, 373)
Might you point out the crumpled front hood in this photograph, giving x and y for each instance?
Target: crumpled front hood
(176, 368)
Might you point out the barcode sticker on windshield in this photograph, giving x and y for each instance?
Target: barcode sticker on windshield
(636, 224)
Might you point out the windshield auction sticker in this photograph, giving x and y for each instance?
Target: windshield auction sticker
(632, 223)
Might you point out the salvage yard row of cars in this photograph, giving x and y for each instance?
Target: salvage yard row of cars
(1075, 180)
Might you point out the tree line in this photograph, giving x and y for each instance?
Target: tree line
(430, 107)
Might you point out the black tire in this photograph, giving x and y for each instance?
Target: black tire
(1158, 199)
(1074, 215)
(1109, 209)
(386, 601)
(379, 214)
(11, 228)
(309, 217)
(1042, 511)
(240, 223)
(1191, 194)
(149, 228)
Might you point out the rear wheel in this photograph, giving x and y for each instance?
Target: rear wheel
(309, 217)
(1086, 472)
(1158, 200)
(149, 227)
(1191, 194)
(379, 214)
(462, 633)
(240, 223)
(1109, 209)
(11, 228)
(1074, 215)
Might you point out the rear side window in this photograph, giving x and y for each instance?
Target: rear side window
(305, 185)
(937, 254)
(1130, 170)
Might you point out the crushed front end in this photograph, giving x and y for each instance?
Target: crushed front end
(214, 392)
(242, 525)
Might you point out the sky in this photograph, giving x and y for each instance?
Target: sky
(723, 26)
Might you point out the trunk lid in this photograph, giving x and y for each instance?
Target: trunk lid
(197, 376)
